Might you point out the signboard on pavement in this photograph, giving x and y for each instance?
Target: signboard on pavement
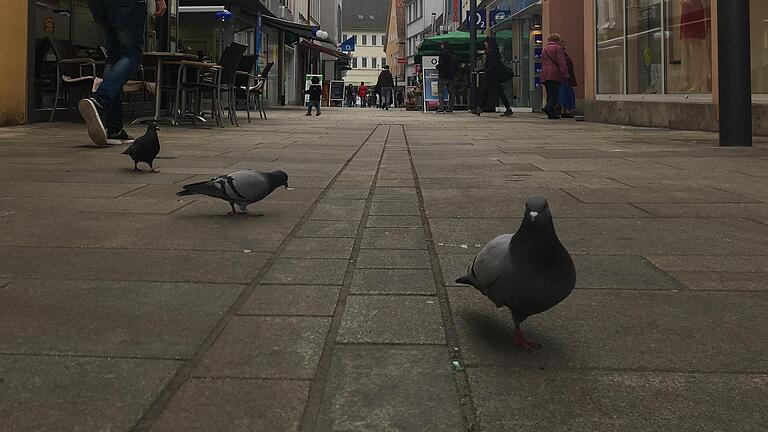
(337, 91)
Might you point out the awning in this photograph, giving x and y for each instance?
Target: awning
(528, 11)
(301, 30)
(331, 52)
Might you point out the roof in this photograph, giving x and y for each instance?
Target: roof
(365, 15)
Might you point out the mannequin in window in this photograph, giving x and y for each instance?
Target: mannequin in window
(694, 34)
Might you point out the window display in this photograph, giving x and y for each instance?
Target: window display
(644, 56)
(758, 13)
(689, 46)
(610, 46)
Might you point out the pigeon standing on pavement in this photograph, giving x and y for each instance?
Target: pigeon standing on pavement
(241, 187)
(145, 148)
(528, 272)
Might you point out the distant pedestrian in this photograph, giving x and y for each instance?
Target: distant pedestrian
(554, 70)
(315, 92)
(567, 96)
(447, 67)
(123, 23)
(362, 91)
(496, 73)
(387, 84)
(350, 95)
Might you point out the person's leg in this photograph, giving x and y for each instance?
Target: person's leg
(451, 95)
(441, 85)
(317, 107)
(503, 97)
(552, 93)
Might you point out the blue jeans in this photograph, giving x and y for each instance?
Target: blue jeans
(567, 96)
(311, 104)
(386, 97)
(123, 22)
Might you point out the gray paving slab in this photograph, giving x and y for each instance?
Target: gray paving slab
(53, 394)
(622, 272)
(266, 347)
(393, 258)
(390, 388)
(394, 221)
(394, 238)
(508, 399)
(398, 182)
(98, 318)
(235, 405)
(63, 190)
(387, 190)
(708, 210)
(639, 330)
(338, 209)
(347, 193)
(303, 300)
(306, 271)
(395, 208)
(128, 265)
(688, 194)
(710, 263)
(725, 281)
(405, 198)
(391, 319)
(63, 206)
(324, 229)
(318, 248)
(393, 281)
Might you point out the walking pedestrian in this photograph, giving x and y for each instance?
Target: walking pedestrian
(495, 74)
(567, 95)
(350, 96)
(447, 67)
(387, 84)
(362, 91)
(554, 70)
(123, 23)
(315, 93)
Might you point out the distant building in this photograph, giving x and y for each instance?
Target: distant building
(366, 21)
(394, 45)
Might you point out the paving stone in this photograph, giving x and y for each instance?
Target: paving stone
(393, 388)
(53, 394)
(128, 265)
(620, 271)
(338, 209)
(454, 266)
(714, 210)
(405, 198)
(291, 300)
(266, 347)
(394, 191)
(400, 182)
(318, 248)
(360, 193)
(656, 195)
(394, 221)
(324, 229)
(710, 263)
(61, 206)
(392, 319)
(394, 238)
(306, 272)
(616, 400)
(648, 330)
(62, 190)
(394, 208)
(393, 258)
(726, 281)
(235, 405)
(99, 318)
(393, 281)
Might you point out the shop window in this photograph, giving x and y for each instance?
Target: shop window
(758, 13)
(610, 46)
(689, 46)
(644, 56)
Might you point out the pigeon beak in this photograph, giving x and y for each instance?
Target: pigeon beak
(533, 215)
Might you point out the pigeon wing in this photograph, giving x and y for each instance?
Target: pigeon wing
(248, 186)
(147, 147)
(216, 188)
(493, 271)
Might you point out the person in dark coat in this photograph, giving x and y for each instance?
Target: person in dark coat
(554, 70)
(447, 67)
(567, 95)
(495, 74)
(315, 93)
(386, 84)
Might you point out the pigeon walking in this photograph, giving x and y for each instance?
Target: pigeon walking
(528, 272)
(241, 187)
(145, 148)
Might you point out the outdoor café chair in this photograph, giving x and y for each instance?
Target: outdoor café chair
(71, 70)
(252, 86)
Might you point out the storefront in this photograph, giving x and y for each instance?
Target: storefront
(654, 62)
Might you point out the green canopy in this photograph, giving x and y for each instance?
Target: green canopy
(459, 41)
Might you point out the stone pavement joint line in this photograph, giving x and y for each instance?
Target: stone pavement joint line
(185, 372)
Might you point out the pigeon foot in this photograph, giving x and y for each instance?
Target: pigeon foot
(137, 170)
(523, 343)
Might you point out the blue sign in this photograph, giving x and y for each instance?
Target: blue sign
(499, 15)
(348, 45)
(480, 19)
(258, 37)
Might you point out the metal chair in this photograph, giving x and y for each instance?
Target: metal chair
(250, 85)
(215, 78)
(69, 69)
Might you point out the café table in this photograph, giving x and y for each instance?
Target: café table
(160, 57)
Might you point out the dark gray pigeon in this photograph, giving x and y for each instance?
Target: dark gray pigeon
(241, 187)
(528, 271)
(145, 148)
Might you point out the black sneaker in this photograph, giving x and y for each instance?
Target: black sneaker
(121, 137)
(89, 109)
(508, 113)
(317, 113)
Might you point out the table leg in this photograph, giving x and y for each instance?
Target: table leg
(158, 97)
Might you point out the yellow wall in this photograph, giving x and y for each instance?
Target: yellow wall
(13, 67)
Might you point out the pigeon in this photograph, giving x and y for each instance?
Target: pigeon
(241, 187)
(145, 148)
(528, 272)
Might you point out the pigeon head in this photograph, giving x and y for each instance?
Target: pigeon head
(537, 212)
(279, 178)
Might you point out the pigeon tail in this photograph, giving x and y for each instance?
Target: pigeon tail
(470, 278)
(185, 193)
(465, 280)
(128, 151)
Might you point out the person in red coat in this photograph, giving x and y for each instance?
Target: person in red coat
(554, 70)
(362, 91)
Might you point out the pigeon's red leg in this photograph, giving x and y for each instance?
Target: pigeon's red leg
(521, 341)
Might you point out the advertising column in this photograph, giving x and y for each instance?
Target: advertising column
(429, 67)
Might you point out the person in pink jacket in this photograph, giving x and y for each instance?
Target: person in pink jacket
(554, 70)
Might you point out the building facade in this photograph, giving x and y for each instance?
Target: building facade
(394, 45)
(421, 21)
(366, 21)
